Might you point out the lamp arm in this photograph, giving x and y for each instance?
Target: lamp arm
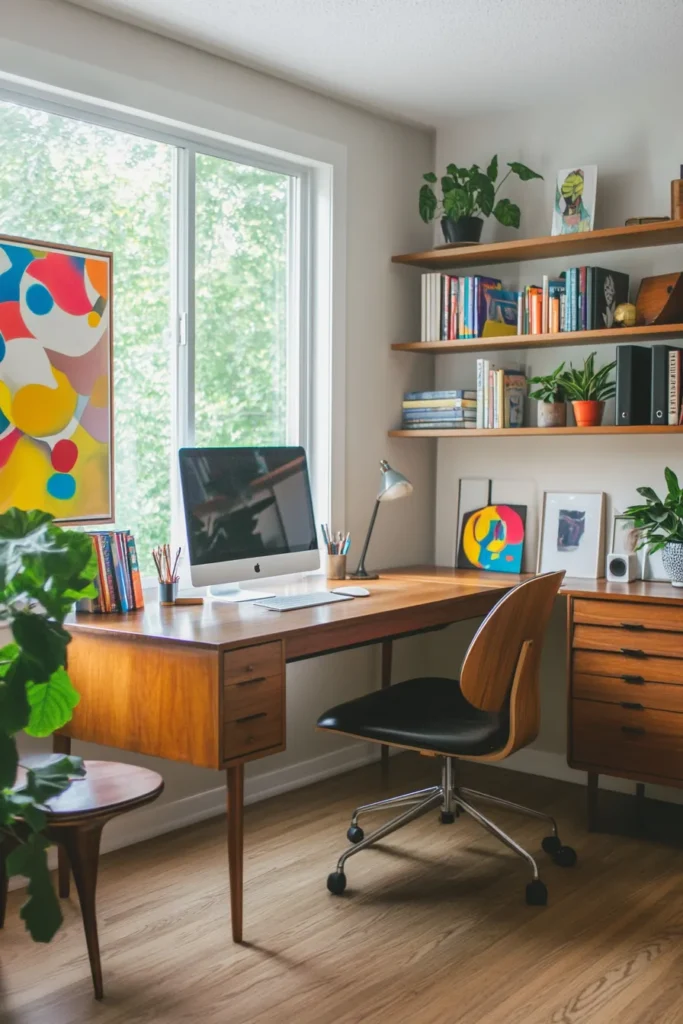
(361, 570)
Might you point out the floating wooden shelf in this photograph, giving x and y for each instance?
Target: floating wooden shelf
(537, 431)
(614, 334)
(639, 236)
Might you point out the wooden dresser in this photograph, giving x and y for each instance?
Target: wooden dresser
(625, 648)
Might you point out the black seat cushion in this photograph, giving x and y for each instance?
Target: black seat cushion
(429, 713)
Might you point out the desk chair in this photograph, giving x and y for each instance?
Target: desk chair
(489, 713)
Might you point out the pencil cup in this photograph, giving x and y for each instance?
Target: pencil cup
(336, 567)
(168, 592)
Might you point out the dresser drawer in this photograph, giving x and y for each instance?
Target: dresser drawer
(259, 730)
(638, 743)
(252, 696)
(613, 690)
(652, 669)
(249, 663)
(647, 641)
(629, 613)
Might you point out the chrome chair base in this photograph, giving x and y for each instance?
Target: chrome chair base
(452, 800)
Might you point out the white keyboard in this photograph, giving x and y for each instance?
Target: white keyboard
(290, 602)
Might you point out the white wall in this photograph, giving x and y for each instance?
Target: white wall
(67, 47)
(637, 154)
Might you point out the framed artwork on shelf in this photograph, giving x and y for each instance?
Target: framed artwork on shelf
(575, 192)
(56, 410)
(624, 536)
(492, 538)
(572, 534)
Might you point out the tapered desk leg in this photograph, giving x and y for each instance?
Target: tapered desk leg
(62, 745)
(387, 651)
(82, 847)
(236, 846)
(592, 802)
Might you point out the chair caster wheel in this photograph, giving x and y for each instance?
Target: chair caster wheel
(447, 817)
(536, 893)
(355, 834)
(551, 844)
(565, 857)
(336, 883)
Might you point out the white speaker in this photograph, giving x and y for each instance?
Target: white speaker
(622, 568)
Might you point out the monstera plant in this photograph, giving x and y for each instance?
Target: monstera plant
(43, 571)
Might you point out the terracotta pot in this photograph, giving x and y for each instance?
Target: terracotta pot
(552, 414)
(588, 414)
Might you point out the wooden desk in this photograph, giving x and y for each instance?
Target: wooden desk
(205, 684)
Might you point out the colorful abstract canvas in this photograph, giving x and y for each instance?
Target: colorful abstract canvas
(575, 191)
(55, 380)
(493, 538)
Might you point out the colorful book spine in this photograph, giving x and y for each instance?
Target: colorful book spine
(415, 396)
(674, 386)
(134, 567)
(119, 574)
(480, 394)
(453, 309)
(109, 572)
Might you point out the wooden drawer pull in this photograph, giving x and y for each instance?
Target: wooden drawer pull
(633, 730)
(635, 627)
(632, 705)
(250, 718)
(630, 653)
(250, 682)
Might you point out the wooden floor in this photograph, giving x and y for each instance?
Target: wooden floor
(433, 928)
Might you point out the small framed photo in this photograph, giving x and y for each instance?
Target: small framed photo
(572, 534)
(575, 191)
(624, 536)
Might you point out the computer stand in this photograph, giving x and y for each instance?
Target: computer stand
(232, 593)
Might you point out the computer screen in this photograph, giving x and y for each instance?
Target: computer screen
(246, 503)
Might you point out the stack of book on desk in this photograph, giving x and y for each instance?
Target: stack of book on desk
(439, 410)
(118, 582)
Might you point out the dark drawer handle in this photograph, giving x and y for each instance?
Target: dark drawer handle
(634, 680)
(635, 627)
(630, 653)
(250, 718)
(248, 682)
(633, 730)
(632, 705)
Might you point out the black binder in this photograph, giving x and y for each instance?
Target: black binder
(659, 391)
(634, 370)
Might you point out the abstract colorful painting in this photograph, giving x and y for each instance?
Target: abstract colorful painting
(575, 191)
(55, 380)
(493, 538)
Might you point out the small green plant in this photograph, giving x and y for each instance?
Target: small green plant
(551, 386)
(43, 572)
(589, 384)
(469, 192)
(659, 521)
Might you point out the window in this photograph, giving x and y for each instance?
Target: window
(220, 284)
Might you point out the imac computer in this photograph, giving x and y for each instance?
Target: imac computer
(249, 515)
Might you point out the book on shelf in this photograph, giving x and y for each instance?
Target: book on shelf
(500, 397)
(434, 410)
(633, 378)
(118, 582)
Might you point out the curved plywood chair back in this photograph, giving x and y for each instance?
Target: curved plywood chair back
(507, 647)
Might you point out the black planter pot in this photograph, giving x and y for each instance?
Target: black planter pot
(467, 229)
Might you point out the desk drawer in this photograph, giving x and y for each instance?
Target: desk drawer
(629, 613)
(249, 663)
(646, 641)
(252, 696)
(613, 690)
(252, 732)
(652, 669)
(643, 743)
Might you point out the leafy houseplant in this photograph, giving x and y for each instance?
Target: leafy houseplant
(552, 408)
(43, 572)
(467, 193)
(588, 389)
(660, 525)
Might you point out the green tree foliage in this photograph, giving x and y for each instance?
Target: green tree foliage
(70, 182)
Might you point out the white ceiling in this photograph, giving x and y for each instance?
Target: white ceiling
(430, 60)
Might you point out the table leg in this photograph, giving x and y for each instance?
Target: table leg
(592, 803)
(62, 745)
(387, 651)
(235, 777)
(82, 847)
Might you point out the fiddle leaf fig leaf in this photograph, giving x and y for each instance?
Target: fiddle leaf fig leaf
(41, 912)
(51, 704)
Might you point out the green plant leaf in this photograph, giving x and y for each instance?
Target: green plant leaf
(52, 777)
(447, 184)
(427, 203)
(52, 704)
(456, 203)
(672, 484)
(9, 760)
(523, 172)
(43, 643)
(41, 912)
(647, 492)
(492, 169)
(430, 176)
(507, 213)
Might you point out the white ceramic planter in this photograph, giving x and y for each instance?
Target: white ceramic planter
(672, 560)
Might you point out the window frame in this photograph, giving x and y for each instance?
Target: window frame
(315, 333)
